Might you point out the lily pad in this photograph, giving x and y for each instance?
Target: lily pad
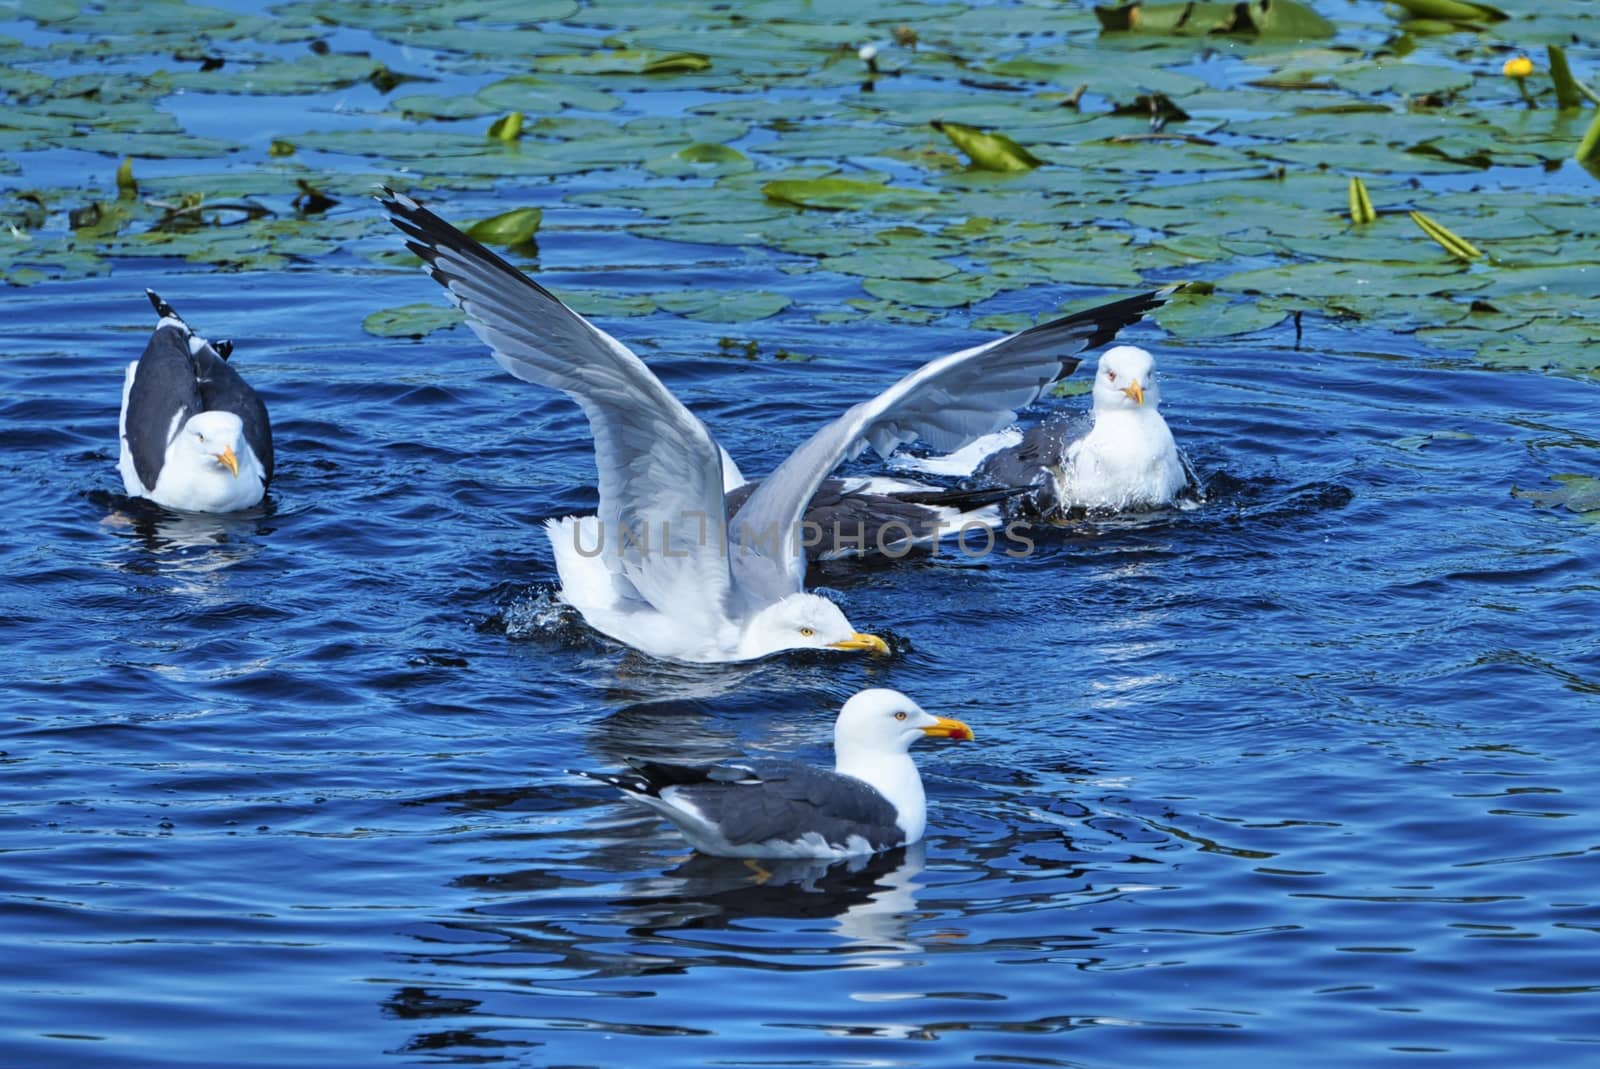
(701, 158)
(411, 320)
(988, 151)
(844, 194)
(723, 306)
(508, 229)
(625, 61)
(1575, 493)
(1258, 18)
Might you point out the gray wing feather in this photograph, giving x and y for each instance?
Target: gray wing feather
(947, 402)
(659, 471)
(762, 800)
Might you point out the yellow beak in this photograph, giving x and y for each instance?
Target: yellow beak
(947, 728)
(1135, 391)
(228, 460)
(862, 641)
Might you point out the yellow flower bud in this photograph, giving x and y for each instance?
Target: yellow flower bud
(1517, 67)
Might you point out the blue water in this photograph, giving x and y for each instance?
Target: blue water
(1303, 776)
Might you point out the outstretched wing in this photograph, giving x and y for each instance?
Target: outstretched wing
(947, 403)
(660, 472)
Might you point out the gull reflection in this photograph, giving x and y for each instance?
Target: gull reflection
(193, 547)
(872, 898)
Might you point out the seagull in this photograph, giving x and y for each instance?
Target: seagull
(1122, 458)
(661, 567)
(871, 801)
(194, 435)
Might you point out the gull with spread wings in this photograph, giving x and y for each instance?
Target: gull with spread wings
(661, 566)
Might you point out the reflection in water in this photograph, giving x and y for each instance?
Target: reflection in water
(511, 962)
(192, 547)
(871, 898)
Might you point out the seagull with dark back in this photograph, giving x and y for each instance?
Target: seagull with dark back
(193, 434)
(871, 800)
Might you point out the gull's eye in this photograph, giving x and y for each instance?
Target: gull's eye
(806, 632)
(1111, 376)
(900, 716)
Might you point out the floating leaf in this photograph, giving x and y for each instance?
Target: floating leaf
(411, 320)
(956, 291)
(889, 262)
(279, 148)
(701, 158)
(508, 229)
(1451, 10)
(1190, 314)
(1453, 243)
(722, 306)
(677, 63)
(625, 61)
(841, 194)
(419, 107)
(1258, 18)
(542, 96)
(1576, 493)
(988, 151)
(1338, 282)
(507, 128)
(1361, 210)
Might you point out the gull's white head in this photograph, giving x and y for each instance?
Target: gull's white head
(1126, 380)
(879, 721)
(212, 440)
(802, 622)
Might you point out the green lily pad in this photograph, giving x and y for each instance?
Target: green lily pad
(624, 61)
(889, 262)
(1451, 10)
(988, 151)
(844, 194)
(1342, 280)
(543, 96)
(956, 291)
(411, 320)
(705, 159)
(508, 229)
(1191, 315)
(1258, 18)
(423, 106)
(1575, 493)
(721, 306)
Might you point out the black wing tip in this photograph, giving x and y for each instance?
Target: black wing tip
(163, 309)
(428, 235)
(1105, 319)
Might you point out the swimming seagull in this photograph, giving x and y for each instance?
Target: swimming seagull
(872, 800)
(660, 566)
(194, 435)
(1123, 458)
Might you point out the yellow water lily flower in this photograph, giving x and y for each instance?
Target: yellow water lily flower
(1517, 67)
